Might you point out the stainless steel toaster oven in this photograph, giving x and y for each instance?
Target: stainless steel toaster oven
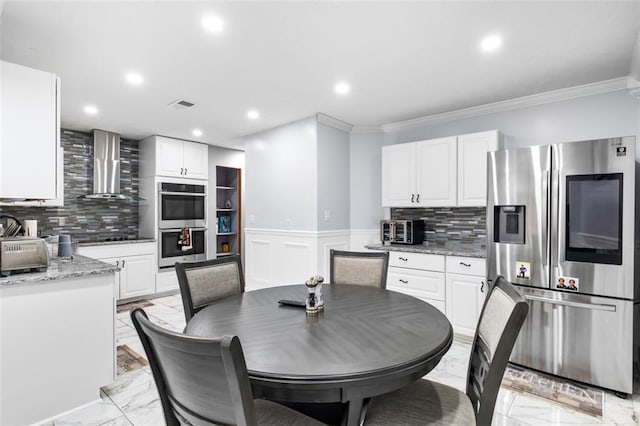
(401, 231)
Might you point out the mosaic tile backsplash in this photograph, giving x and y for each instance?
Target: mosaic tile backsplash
(449, 226)
(88, 220)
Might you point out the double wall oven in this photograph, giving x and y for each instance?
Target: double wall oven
(181, 208)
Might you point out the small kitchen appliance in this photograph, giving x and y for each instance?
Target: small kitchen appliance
(401, 231)
(23, 254)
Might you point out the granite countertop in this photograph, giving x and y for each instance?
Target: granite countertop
(454, 250)
(108, 243)
(62, 268)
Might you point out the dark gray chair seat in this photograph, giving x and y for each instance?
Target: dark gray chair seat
(430, 403)
(205, 381)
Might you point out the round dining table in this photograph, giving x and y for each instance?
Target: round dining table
(366, 342)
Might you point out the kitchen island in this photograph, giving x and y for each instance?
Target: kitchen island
(57, 334)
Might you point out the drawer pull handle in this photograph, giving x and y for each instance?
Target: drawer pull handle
(417, 198)
(482, 287)
(403, 281)
(404, 259)
(412, 197)
(465, 264)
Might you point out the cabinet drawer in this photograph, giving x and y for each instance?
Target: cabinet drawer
(429, 262)
(466, 266)
(422, 284)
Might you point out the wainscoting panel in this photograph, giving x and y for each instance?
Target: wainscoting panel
(294, 265)
(277, 257)
(362, 237)
(258, 262)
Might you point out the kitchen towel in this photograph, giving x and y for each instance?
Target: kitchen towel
(184, 240)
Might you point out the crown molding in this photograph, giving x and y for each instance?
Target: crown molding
(333, 122)
(367, 129)
(511, 104)
(633, 86)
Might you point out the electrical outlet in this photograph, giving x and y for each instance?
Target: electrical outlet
(327, 215)
(62, 221)
(288, 224)
(252, 219)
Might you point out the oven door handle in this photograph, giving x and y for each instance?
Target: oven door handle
(189, 194)
(592, 306)
(180, 229)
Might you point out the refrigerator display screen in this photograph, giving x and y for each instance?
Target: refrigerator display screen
(594, 218)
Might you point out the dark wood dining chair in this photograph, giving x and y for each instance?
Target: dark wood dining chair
(430, 403)
(202, 283)
(205, 381)
(360, 268)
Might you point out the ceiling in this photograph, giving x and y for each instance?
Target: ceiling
(402, 59)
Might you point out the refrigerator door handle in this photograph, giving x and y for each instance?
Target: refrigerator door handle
(545, 216)
(594, 306)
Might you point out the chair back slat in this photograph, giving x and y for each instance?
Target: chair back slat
(503, 314)
(202, 283)
(359, 268)
(202, 381)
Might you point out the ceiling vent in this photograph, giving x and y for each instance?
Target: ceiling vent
(181, 104)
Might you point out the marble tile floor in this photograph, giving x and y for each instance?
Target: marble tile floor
(133, 399)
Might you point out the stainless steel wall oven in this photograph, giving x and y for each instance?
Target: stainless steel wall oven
(170, 251)
(181, 205)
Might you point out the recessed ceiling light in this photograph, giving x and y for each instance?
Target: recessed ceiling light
(90, 109)
(134, 78)
(253, 114)
(213, 23)
(342, 88)
(491, 43)
(197, 132)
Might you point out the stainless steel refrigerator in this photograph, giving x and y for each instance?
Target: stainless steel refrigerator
(562, 224)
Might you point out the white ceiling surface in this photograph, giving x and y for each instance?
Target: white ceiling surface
(403, 60)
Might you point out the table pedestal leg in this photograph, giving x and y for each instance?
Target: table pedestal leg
(352, 415)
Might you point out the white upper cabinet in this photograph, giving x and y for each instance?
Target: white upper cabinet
(443, 172)
(174, 157)
(30, 152)
(472, 166)
(398, 174)
(436, 173)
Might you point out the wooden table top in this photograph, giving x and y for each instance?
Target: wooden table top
(362, 332)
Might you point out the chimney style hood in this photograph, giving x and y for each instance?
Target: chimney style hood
(106, 166)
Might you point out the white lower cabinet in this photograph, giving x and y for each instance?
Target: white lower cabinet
(466, 291)
(137, 263)
(419, 275)
(167, 281)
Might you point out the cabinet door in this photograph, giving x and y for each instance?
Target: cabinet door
(196, 160)
(116, 262)
(30, 133)
(399, 175)
(166, 281)
(137, 276)
(465, 295)
(436, 172)
(169, 159)
(472, 166)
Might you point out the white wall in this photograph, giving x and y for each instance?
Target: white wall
(333, 178)
(589, 117)
(282, 178)
(365, 180)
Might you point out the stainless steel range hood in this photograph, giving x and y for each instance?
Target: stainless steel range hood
(106, 166)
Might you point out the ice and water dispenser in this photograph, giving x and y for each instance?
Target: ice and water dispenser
(509, 226)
